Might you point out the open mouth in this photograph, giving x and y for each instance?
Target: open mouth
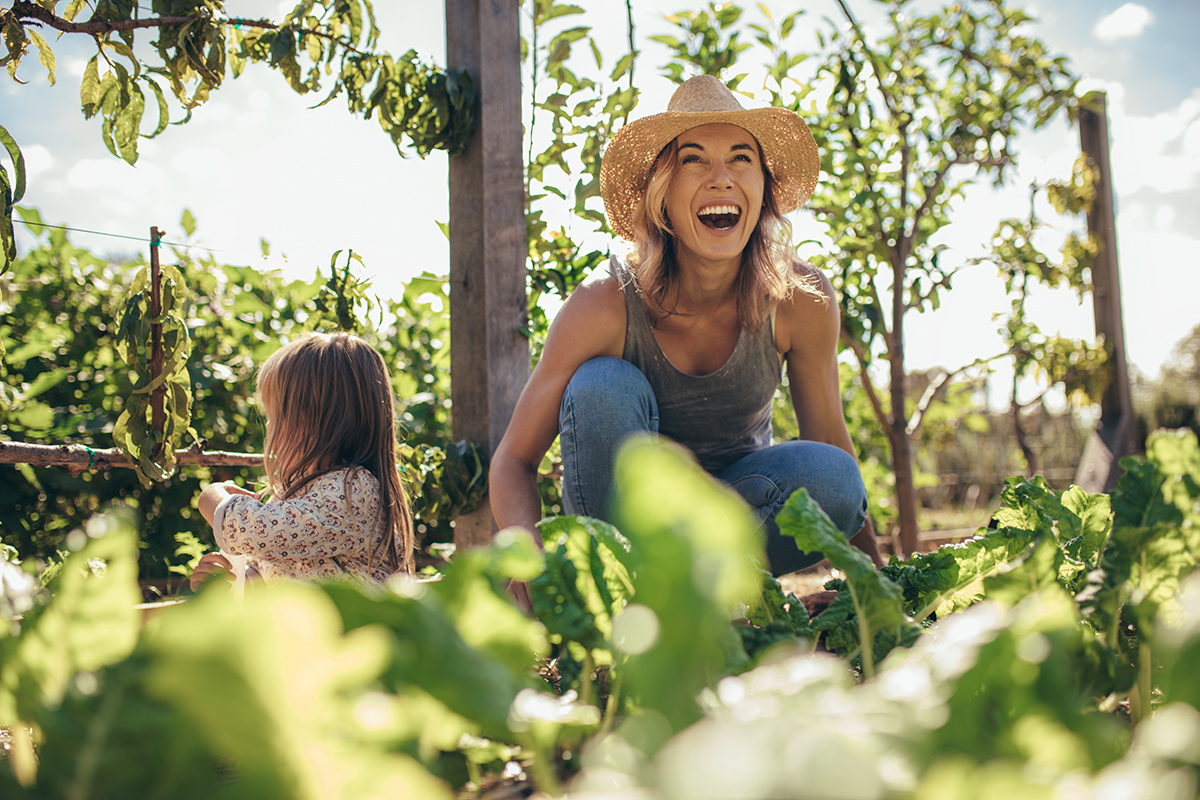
(720, 218)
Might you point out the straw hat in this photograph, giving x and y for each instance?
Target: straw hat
(788, 148)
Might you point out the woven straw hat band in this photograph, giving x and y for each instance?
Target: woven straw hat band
(788, 150)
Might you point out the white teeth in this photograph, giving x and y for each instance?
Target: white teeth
(713, 210)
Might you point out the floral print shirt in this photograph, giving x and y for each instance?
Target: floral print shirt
(324, 532)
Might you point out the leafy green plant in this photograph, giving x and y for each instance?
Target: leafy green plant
(434, 688)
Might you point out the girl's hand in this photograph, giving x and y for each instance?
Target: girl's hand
(233, 488)
(211, 564)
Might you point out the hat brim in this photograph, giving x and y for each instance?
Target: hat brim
(789, 153)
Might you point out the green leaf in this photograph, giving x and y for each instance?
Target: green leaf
(275, 680)
(948, 579)
(429, 653)
(586, 582)
(89, 88)
(1085, 541)
(45, 54)
(188, 221)
(472, 594)
(18, 161)
(90, 622)
(695, 547)
(877, 601)
(164, 115)
(35, 416)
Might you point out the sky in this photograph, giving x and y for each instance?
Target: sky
(256, 163)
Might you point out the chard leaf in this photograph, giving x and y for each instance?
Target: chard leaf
(1028, 504)
(275, 680)
(877, 600)
(587, 581)
(1085, 541)
(774, 618)
(472, 592)
(948, 579)
(1155, 540)
(695, 545)
(427, 652)
(1037, 569)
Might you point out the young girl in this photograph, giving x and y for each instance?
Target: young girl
(337, 506)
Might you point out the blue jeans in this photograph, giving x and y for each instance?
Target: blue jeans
(608, 400)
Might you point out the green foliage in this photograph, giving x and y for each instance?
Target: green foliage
(444, 483)
(64, 380)
(155, 347)
(12, 191)
(198, 45)
(429, 688)
(562, 172)
(870, 619)
(695, 550)
(708, 44)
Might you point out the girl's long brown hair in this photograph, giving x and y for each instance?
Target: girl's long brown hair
(329, 405)
(770, 270)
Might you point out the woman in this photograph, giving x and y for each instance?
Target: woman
(688, 340)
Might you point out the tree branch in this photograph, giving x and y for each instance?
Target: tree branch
(23, 9)
(77, 458)
(876, 405)
(937, 388)
(874, 59)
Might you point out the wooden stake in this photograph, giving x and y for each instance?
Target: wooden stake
(489, 355)
(158, 398)
(1115, 434)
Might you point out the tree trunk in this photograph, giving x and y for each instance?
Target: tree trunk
(906, 490)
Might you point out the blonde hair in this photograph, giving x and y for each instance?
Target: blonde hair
(769, 271)
(329, 405)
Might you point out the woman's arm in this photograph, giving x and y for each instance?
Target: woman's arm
(806, 332)
(589, 325)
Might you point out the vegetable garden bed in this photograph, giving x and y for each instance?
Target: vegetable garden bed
(1061, 662)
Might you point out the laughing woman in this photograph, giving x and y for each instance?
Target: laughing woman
(688, 338)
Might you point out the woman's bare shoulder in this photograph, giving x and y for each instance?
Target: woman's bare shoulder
(592, 321)
(811, 282)
(809, 310)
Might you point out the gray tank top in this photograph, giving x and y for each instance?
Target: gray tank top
(720, 417)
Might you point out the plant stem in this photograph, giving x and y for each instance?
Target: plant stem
(866, 642)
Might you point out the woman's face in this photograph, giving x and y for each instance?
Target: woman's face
(715, 194)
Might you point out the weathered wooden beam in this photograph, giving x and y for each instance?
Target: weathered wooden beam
(1115, 433)
(489, 354)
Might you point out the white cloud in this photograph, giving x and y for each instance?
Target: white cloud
(260, 99)
(1127, 22)
(1162, 151)
(201, 162)
(1159, 284)
(107, 175)
(38, 159)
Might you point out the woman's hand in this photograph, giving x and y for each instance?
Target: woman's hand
(211, 565)
(519, 593)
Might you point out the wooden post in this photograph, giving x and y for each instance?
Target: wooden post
(158, 398)
(489, 355)
(1115, 434)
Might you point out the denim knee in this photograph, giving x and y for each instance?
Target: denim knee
(606, 401)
